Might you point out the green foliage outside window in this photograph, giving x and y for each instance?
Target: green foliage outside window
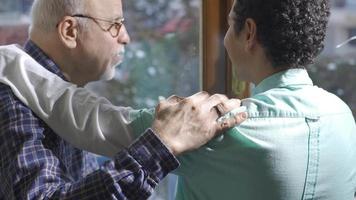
(163, 57)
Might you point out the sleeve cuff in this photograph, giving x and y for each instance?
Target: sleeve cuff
(153, 155)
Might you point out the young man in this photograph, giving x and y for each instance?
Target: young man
(82, 41)
(299, 141)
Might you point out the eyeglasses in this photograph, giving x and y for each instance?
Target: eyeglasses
(114, 28)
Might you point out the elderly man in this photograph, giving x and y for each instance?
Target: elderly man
(82, 41)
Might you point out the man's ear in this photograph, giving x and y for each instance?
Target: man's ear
(251, 34)
(68, 32)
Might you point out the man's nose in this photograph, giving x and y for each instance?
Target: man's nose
(124, 37)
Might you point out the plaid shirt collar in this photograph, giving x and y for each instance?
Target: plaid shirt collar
(35, 52)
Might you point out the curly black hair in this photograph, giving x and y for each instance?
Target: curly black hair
(292, 32)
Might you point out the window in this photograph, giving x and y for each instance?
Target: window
(339, 3)
(14, 21)
(217, 69)
(164, 57)
(351, 3)
(335, 68)
(352, 32)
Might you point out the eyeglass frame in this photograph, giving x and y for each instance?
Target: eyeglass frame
(117, 25)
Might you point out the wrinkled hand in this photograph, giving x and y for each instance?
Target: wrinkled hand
(185, 124)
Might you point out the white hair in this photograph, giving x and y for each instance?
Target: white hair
(45, 14)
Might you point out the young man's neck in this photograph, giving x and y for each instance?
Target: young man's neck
(260, 66)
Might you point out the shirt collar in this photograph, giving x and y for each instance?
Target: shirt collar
(36, 53)
(285, 79)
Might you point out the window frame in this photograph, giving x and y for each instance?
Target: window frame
(216, 66)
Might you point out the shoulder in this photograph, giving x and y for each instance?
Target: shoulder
(301, 102)
(9, 102)
(13, 113)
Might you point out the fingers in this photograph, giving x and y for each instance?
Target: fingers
(214, 105)
(215, 100)
(225, 106)
(219, 109)
(186, 124)
(231, 121)
(231, 104)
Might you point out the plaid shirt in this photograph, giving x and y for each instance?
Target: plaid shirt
(35, 163)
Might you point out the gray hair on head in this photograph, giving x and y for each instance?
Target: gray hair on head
(45, 14)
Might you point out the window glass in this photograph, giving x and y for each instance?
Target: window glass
(14, 21)
(352, 33)
(351, 3)
(335, 68)
(162, 59)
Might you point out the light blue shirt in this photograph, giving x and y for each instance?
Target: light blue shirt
(298, 143)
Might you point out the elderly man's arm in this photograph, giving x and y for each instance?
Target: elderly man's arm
(83, 119)
(32, 166)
